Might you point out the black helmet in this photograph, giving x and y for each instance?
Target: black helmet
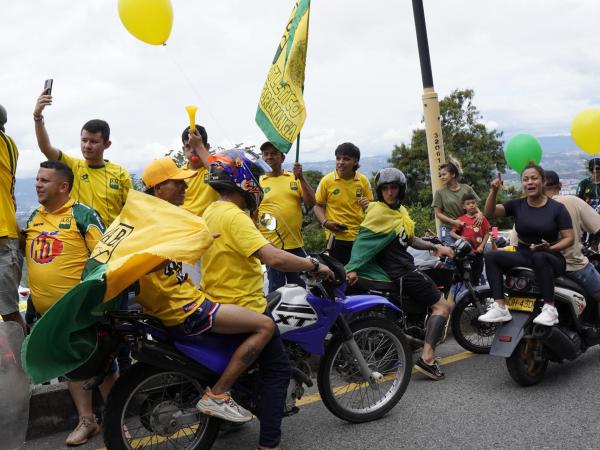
(390, 175)
(239, 171)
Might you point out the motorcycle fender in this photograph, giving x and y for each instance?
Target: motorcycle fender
(358, 303)
(465, 292)
(509, 335)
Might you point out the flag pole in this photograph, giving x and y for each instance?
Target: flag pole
(298, 148)
(307, 34)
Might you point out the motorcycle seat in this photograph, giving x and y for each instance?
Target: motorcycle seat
(371, 285)
(569, 284)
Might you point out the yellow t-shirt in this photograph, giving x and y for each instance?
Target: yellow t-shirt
(102, 188)
(198, 194)
(283, 199)
(8, 167)
(169, 295)
(56, 250)
(230, 272)
(340, 198)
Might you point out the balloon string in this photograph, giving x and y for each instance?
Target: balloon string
(191, 85)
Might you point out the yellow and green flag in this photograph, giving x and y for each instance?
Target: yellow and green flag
(380, 226)
(146, 233)
(281, 111)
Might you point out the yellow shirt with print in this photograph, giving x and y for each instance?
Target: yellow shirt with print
(8, 167)
(340, 198)
(57, 247)
(283, 200)
(169, 295)
(198, 194)
(230, 272)
(103, 188)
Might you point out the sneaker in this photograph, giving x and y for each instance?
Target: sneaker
(432, 371)
(496, 314)
(85, 430)
(223, 407)
(548, 316)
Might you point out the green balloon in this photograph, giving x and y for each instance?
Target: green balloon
(522, 150)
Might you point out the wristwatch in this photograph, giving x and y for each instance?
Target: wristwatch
(316, 263)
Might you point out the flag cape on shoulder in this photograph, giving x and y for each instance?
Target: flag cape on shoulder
(281, 111)
(147, 232)
(380, 226)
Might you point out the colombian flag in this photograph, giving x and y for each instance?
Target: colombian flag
(146, 233)
(281, 112)
(380, 226)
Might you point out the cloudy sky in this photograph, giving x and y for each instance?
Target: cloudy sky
(533, 66)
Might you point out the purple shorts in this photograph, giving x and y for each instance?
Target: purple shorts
(199, 322)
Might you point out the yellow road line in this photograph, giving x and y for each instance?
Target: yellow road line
(313, 398)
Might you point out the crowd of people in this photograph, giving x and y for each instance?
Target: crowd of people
(368, 230)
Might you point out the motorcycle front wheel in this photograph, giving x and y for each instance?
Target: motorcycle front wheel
(342, 387)
(147, 409)
(470, 333)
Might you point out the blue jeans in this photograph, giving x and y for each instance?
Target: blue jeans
(588, 278)
(278, 278)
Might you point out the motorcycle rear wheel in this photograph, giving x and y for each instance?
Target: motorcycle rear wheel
(342, 387)
(139, 410)
(523, 368)
(472, 335)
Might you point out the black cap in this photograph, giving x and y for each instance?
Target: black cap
(269, 144)
(594, 162)
(552, 178)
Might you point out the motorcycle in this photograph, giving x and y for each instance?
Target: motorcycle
(470, 302)
(528, 347)
(365, 366)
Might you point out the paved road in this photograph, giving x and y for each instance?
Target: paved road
(476, 406)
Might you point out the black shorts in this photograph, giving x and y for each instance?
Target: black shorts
(420, 288)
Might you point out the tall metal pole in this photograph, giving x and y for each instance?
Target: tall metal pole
(431, 106)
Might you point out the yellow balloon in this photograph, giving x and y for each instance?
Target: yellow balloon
(148, 20)
(585, 130)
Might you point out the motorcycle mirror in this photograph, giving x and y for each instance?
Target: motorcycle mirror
(268, 221)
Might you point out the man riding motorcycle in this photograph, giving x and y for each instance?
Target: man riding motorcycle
(380, 254)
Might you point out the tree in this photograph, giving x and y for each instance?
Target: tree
(466, 138)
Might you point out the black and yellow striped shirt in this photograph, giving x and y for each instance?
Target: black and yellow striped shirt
(8, 168)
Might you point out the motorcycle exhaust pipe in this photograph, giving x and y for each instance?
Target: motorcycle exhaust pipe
(559, 342)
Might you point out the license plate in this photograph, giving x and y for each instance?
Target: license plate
(521, 304)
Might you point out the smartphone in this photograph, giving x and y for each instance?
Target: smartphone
(48, 86)
(499, 176)
(495, 232)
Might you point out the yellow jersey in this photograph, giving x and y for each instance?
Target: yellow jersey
(340, 198)
(198, 194)
(283, 200)
(57, 247)
(8, 167)
(169, 295)
(102, 188)
(230, 271)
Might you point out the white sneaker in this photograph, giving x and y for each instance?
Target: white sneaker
(496, 314)
(223, 407)
(548, 316)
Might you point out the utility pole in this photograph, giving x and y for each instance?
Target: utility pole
(431, 106)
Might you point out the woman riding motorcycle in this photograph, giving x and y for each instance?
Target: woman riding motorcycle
(544, 228)
(379, 253)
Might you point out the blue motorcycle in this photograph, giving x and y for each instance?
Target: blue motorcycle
(364, 370)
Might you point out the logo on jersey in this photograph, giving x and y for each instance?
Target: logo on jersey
(45, 247)
(336, 191)
(359, 192)
(85, 177)
(176, 268)
(109, 242)
(267, 190)
(293, 186)
(65, 223)
(114, 183)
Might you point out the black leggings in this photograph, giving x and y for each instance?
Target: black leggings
(545, 265)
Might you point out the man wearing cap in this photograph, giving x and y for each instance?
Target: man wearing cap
(585, 219)
(59, 237)
(284, 194)
(168, 294)
(342, 199)
(11, 260)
